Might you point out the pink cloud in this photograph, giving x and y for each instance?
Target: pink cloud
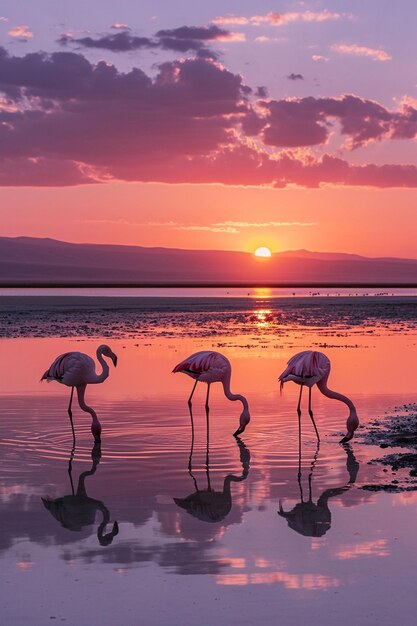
(363, 51)
(278, 19)
(21, 32)
(67, 122)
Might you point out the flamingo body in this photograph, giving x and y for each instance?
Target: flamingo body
(77, 370)
(306, 368)
(309, 368)
(205, 366)
(72, 369)
(212, 367)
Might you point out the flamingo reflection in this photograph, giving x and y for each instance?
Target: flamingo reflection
(77, 510)
(314, 520)
(207, 504)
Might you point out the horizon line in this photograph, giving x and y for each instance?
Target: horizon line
(206, 285)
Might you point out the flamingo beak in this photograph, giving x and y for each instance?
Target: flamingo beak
(347, 438)
(114, 359)
(238, 432)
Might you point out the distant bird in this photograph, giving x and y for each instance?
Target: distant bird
(310, 368)
(213, 367)
(76, 369)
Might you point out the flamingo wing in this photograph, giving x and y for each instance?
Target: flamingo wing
(198, 364)
(307, 364)
(71, 368)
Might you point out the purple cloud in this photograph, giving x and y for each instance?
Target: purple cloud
(66, 121)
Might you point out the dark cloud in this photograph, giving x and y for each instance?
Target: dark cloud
(293, 76)
(182, 39)
(308, 121)
(261, 92)
(119, 42)
(66, 121)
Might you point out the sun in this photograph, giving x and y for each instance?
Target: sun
(263, 252)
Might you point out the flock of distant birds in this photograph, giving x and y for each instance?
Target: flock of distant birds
(307, 368)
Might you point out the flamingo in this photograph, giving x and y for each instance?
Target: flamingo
(76, 369)
(212, 367)
(310, 368)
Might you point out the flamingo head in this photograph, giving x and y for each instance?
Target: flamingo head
(243, 422)
(351, 424)
(106, 351)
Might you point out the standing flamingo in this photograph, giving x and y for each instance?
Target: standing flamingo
(310, 368)
(213, 367)
(76, 369)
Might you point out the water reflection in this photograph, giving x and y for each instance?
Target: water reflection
(209, 505)
(77, 510)
(314, 520)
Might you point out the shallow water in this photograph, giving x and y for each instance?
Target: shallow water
(222, 556)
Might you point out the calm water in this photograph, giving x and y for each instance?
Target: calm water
(234, 537)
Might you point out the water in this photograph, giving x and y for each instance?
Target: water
(255, 547)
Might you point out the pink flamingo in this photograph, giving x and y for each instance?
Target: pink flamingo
(76, 369)
(213, 367)
(310, 368)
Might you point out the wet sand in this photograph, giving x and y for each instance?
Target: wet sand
(60, 316)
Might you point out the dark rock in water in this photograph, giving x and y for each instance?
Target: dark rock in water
(396, 431)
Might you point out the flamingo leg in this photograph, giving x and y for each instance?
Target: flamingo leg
(299, 459)
(192, 393)
(299, 421)
(70, 469)
(310, 412)
(95, 426)
(70, 416)
(208, 444)
(207, 396)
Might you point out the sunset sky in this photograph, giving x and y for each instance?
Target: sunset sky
(222, 125)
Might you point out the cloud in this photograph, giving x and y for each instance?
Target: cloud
(319, 57)
(363, 51)
(182, 39)
(66, 121)
(118, 42)
(21, 32)
(301, 122)
(293, 76)
(265, 224)
(278, 19)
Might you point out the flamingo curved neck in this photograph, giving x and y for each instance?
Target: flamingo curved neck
(105, 368)
(233, 396)
(334, 395)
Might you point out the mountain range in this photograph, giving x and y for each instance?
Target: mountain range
(29, 260)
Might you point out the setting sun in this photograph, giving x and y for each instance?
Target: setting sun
(263, 252)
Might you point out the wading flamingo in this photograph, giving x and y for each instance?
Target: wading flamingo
(212, 367)
(310, 368)
(76, 369)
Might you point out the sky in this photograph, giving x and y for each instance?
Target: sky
(222, 125)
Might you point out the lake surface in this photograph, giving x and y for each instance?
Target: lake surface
(232, 537)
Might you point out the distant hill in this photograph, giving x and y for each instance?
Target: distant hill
(25, 260)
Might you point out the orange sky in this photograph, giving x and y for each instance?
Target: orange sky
(372, 222)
